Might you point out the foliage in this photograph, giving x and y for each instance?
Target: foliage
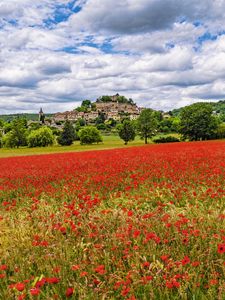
(197, 122)
(136, 223)
(111, 122)
(105, 98)
(120, 99)
(147, 124)
(17, 134)
(89, 135)
(126, 131)
(166, 139)
(41, 137)
(1, 123)
(80, 122)
(34, 126)
(67, 136)
(220, 132)
(101, 126)
(100, 119)
(85, 106)
(28, 117)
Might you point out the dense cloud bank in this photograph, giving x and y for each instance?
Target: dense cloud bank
(162, 53)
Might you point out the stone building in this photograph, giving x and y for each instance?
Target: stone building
(112, 109)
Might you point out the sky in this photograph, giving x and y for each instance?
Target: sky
(163, 54)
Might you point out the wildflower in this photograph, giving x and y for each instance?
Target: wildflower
(35, 291)
(75, 267)
(221, 248)
(53, 280)
(3, 267)
(69, 292)
(20, 286)
(185, 261)
(100, 269)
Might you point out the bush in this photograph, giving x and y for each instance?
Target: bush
(89, 135)
(166, 139)
(41, 137)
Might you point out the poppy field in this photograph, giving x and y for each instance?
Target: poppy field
(134, 223)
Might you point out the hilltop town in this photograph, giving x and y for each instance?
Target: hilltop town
(112, 107)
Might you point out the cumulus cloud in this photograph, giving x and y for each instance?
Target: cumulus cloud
(131, 16)
(161, 53)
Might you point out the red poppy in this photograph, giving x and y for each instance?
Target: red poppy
(35, 291)
(69, 292)
(221, 248)
(20, 286)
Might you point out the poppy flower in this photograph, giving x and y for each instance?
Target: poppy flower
(221, 248)
(20, 286)
(69, 292)
(35, 291)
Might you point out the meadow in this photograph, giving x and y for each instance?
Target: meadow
(109, 142)
(132, 223)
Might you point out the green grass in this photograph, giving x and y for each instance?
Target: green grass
(109, 142)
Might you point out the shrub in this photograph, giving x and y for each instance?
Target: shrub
(89, 135)
(41, 137)
(166, 139)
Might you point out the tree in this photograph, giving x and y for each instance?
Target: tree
(86, 103)
(197, 122)
(41, 137)
(85, 106)
(17, 135)
(89, 135)
(147, 124)
(67, 136)
(101, 118)
(220, 132)
(126, 131)
(105, 98)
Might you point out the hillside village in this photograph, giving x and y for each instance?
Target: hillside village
(110, 106)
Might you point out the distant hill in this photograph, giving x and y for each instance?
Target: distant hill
(218, 107)
(29, 117)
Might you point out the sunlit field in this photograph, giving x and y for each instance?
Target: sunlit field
(133, 223)
(109, 142)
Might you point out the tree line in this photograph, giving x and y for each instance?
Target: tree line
(195, 122)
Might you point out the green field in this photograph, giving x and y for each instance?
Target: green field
(109, 142)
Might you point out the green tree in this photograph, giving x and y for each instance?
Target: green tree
(41, 137)
(1, 123)
(17, 135)
(89, 135)
(85, 106)
(197, 122)
(86, 103)
(147, 124)
(67, 137)
(220, 132)
(126, 131)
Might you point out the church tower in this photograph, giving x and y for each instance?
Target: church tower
(41, 116)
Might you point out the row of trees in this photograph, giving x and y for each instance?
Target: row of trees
(195, 122)
(20, 135)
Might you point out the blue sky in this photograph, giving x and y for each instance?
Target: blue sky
(162, 53)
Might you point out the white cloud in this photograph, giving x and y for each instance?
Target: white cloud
(138, 48)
